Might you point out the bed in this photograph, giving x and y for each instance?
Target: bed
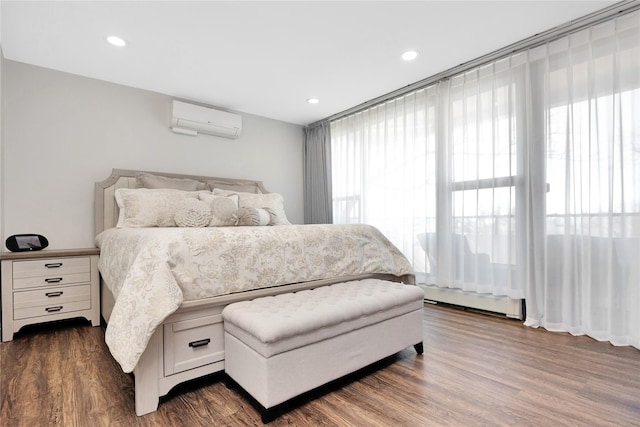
(169, 267)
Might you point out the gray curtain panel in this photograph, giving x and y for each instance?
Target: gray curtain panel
(318, 204)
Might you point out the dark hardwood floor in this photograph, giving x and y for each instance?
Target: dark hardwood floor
(477, 370)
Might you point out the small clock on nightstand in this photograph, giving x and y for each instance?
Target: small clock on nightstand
(48, 285)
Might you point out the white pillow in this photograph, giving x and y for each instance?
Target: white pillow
(273, 201)
(144, 207)
(222, 208)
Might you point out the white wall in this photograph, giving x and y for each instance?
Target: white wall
(2, 238)
(64, 132)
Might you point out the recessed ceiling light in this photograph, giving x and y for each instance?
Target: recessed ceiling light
(410, 55)
(313, 100)
(117, 41)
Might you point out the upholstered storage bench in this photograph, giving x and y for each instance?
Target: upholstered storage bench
(279, 347)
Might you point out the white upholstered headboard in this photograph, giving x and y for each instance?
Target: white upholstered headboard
(105, 203)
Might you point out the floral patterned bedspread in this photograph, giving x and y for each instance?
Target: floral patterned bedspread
(151, 271)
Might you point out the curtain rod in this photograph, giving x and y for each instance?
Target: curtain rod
(617, 9)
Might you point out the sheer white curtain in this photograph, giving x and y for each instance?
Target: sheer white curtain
(383, 170)
(435, 171)
(480, 147)
(518, 178)
(589, 84)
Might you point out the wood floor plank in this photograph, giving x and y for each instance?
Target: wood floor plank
(476, 370)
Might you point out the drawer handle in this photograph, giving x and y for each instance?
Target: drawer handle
(200, 343)
(54, 294)
(54, 280)
(53, 309)
(53, 265)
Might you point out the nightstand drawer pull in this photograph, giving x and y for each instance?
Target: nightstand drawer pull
(54, 280)
(54, 265)
(54, 294)
(200, 343)
(53, 309)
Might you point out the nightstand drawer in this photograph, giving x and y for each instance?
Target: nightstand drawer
(51, 297)
(53, 280)
(51, 272)
(51, 267)
(193, 343)
(51, 309)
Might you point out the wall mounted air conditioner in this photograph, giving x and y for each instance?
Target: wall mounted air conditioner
(189, 119)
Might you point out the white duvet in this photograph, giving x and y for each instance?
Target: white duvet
(151, 271)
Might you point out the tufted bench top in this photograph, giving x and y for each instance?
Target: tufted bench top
(274, 324)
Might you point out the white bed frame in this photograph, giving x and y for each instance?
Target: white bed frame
(168, 360)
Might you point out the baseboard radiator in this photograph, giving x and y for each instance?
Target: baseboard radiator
(512, 308)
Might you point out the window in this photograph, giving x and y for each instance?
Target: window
(517, 178)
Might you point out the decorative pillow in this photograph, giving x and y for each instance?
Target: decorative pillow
(193, 213)
(271, 201)
(143, 207)
(253, 216)
(147, 180)
(222, 208)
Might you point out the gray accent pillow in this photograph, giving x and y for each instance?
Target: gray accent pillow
(147, 180)
(244, 188)
(253, 216)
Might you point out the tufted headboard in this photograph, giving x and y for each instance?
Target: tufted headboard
(105, 203)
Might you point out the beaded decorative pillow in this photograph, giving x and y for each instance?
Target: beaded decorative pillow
(193, 213)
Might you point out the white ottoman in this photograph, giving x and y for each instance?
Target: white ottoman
(281, 346)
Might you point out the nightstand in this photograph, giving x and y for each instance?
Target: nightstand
(49, 285)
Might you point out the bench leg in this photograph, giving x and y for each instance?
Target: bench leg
(270, 414)
(419, 348)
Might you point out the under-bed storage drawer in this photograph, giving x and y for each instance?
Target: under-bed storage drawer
(191, 343)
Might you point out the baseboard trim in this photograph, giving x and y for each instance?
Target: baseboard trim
(512, 308)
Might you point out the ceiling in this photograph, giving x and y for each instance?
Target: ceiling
(268, 57)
